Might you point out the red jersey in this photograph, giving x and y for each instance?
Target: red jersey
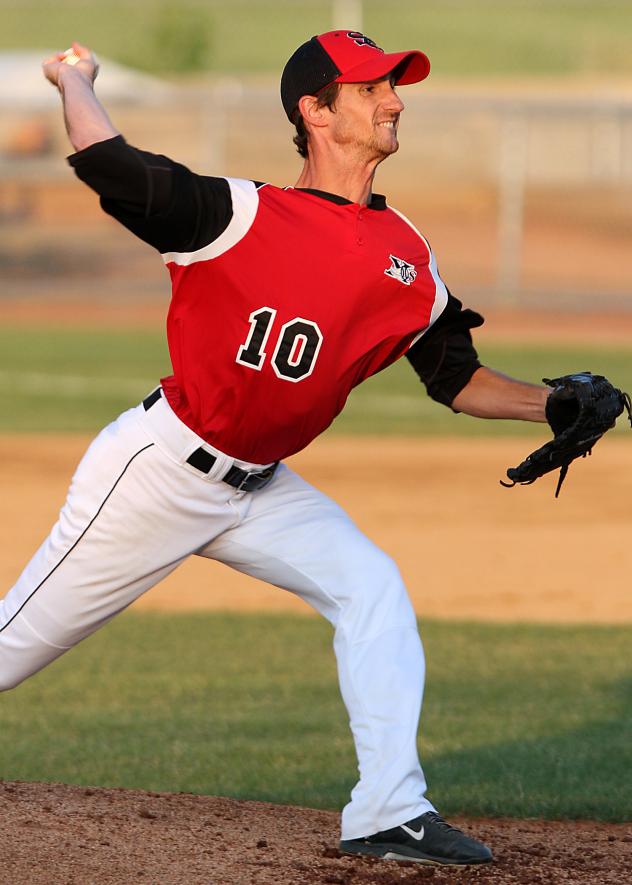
(273, 323)
(283, 299)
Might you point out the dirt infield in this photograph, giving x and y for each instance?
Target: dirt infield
(58, 834)
(467, 547)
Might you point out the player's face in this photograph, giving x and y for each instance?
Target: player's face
(366, 117)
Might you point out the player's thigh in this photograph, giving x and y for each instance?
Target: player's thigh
(131, 516)
(297, 538)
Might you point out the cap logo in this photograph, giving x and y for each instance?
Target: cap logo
(360, 40)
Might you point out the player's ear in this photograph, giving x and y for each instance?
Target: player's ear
(313, 114)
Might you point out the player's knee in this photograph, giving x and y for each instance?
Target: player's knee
(9, 681)
(381, 601)
(386, 580)
(12, 671)
(394, 601)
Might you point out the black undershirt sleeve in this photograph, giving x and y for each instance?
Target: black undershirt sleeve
(444, 357)
(158, 200)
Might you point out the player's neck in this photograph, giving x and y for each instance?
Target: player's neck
(352, 181)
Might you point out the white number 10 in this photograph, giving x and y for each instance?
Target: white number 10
(296, 350)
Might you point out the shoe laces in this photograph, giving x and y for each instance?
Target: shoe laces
(436, 818)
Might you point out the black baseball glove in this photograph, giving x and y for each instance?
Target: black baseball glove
(581, 408)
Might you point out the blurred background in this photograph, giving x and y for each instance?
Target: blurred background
(515, 159)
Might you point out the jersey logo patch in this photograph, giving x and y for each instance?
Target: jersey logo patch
(401, 271)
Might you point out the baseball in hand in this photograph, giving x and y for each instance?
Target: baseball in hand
(70, 57)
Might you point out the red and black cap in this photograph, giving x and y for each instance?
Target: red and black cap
(345, 57)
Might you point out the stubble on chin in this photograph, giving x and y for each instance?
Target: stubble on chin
(366, 147)
(384, 149)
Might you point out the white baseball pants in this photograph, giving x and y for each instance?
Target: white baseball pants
(136, 510)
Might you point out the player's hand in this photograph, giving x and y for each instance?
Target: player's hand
(56, 67)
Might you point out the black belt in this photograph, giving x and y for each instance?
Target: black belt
(246, 481)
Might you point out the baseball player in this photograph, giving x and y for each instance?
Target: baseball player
(284, 299)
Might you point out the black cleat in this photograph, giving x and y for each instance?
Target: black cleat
(425, 839)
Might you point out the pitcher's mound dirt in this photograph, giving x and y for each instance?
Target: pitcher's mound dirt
(52, 833)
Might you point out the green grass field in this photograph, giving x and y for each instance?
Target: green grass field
(67, 380)
(489, 37)
(518, 720)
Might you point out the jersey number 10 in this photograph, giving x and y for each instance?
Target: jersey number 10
(296, 349)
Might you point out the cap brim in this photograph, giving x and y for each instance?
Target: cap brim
(413, 67)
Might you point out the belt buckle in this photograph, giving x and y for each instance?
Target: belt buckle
(242, 487)
(258, 480)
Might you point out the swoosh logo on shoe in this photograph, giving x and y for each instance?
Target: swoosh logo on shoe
(418, 836)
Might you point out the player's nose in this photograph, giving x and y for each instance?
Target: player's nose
(393, 102)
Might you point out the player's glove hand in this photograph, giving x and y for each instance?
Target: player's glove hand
(581, 408)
